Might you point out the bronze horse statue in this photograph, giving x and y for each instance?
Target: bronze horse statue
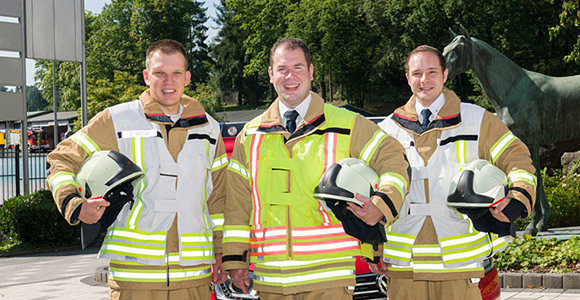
(537, 108)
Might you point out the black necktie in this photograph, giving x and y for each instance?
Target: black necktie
(426, 113)
(290, 117)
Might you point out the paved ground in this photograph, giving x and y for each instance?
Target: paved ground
(70, 275)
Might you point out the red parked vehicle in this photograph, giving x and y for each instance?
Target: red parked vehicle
(368, 284)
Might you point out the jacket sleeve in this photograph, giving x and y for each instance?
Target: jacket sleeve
(507, 152)
(238, 208)
(67, 158)
(387, 157)
(216, 201)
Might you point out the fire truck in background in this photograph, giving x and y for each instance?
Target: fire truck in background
(37, 139)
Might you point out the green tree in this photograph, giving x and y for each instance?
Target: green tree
(342, 43)
(265, 21)
(230, 59)
(34, 99)
(67, 83)
(568, 28)
(116, 42)
(125, 28)
(105, 93)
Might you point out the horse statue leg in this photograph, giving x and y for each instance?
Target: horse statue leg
(542, 210)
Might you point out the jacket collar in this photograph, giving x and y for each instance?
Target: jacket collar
(193, 113)
(449, 115)
(271, 122)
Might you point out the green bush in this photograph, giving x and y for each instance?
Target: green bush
(34, 218)
(563, 194)
(540, 255)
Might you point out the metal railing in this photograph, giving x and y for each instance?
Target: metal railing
(11, 183)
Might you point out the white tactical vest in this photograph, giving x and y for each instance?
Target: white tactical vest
(460, 244)
(168, 190)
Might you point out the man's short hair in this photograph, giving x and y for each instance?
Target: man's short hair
(291, 43)
(166, 46)
(427, 48)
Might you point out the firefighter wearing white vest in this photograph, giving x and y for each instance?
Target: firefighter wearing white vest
(272, 219)
(432, 250)
(163, 244)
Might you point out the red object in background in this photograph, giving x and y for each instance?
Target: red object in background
(229, 132)
(33, 140)
(489, 285)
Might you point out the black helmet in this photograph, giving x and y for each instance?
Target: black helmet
(108, 175)
(476, 188)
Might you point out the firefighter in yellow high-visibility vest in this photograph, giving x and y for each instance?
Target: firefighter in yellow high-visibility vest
(298, 246)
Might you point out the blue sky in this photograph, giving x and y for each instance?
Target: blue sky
(97, 5)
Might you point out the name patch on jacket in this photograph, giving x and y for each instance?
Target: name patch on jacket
(129, 134)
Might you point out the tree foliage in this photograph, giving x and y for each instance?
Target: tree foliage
(230, 59)
(360, 46)
(34, 99)
(116, 42)
(568, 28)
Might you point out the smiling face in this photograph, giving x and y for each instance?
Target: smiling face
(425, 77)
(290, 75)
(166, 77)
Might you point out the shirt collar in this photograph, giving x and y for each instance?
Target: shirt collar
(435, 107)
(302, 109)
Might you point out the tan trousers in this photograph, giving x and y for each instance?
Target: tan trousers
(328, 294)
(409, 289)
(195, 293)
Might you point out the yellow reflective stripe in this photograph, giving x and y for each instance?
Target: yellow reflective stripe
(470, 247)
(204, 253)
(426, 250)
(190, 239)
(372, 146)
(236, 234)
(288, 265)
(85, 142)
(461, 151)
(135, 243)
(395, 180)
(499, 146)
(236, 167)
(309, 277)
(218, 220)
(138, 154)
(522, 175)
(399, 246)
(436, 266)
(59, 179)
(219, 162)
(134, 250)
(205, 213)
(197, 246)
(159, 275)
(462, 240)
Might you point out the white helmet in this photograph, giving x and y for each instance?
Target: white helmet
(103, 171)
(109, 175)
(345, 178)
(478, 186)
(338, 184)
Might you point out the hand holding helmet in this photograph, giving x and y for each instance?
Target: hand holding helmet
(338, 186)
(105, 180)
(480, 191)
